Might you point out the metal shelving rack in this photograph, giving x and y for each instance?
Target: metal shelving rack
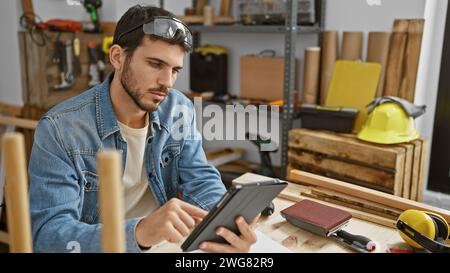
(290, 29)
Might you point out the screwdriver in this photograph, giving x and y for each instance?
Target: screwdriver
(76, 51)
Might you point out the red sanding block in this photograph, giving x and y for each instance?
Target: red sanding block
(315, 217)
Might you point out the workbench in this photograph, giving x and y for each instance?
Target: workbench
(301, 241)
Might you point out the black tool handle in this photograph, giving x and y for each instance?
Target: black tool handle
(356, 240)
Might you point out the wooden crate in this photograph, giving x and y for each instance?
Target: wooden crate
(40, 74)
(395, 169)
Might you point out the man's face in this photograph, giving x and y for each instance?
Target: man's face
(149, 74)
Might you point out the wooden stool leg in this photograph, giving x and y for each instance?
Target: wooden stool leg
(16, 183)
(111, 201)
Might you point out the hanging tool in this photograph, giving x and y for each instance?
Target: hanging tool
(93, 68)
(107, 43)
(76, 53)
(92, 7)
(63, 57)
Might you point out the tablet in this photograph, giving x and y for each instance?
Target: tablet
(247, 200)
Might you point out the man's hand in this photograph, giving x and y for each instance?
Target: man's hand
(171, 222)
(237, 243)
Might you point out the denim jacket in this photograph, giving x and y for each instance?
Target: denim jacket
(62, 169)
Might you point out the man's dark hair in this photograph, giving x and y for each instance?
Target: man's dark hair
(135, 16)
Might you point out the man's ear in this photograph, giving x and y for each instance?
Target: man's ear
(115, 56)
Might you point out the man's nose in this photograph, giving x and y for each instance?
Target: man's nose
(165, 78)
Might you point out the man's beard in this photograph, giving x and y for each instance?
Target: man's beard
(128, 83)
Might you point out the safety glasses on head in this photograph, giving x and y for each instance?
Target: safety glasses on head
(166, 27)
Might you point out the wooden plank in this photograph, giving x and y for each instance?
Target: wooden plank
(295, 197)
(18, 122)
(28, 10)
(347, 147)
(349, 205)
(225, 7)
(36, 78)
(4, 237)
(200, 4)
(409, 147)
(329, 55)
(423, 160)
(361, 192)
(342, 169)
(16, 193)
(359, 202)
(415, 169)
(412, 57)
(352, 46)
(394, 69)
(23, 66)
(111, 202)
(10, 109)
(378, 52)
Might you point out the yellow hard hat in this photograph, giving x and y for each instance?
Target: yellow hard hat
(388, 124)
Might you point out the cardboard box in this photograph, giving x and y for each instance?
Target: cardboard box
(262, 77)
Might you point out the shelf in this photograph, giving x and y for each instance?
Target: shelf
(281, 29)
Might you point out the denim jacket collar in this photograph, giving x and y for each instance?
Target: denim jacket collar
(106, 117)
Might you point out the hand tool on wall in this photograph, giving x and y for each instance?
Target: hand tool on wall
(60, 25)
(106, 44)
(93, 68)
(76, 53)
(92, 7)
(63, 57)
(69, 62)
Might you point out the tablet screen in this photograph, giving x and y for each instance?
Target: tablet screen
(247, 200)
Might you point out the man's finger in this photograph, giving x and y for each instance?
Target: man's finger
(188, 220)
(255, 221)
(246, 230)
(193, 210)
(217, 248)
(231, 238)
(172, 235)
(179, 225)
(197, 220)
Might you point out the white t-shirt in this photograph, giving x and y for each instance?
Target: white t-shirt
(139, 199)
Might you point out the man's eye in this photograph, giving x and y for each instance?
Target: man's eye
(155, 65)
(175, 71)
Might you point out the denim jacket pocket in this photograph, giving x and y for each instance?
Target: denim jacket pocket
(169, 168)
(89, 212)
(169, 152)
(90, 181)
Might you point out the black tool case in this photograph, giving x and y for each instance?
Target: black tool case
(339, 120)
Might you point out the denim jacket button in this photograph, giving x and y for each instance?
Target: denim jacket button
(88, 185)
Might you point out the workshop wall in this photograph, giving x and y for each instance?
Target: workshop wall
(10, 76)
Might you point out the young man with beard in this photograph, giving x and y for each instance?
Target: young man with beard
(168, 183)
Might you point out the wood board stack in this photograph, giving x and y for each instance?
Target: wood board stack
(394, 169)
(361, 202)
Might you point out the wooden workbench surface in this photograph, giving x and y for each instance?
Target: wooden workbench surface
(298, 240)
